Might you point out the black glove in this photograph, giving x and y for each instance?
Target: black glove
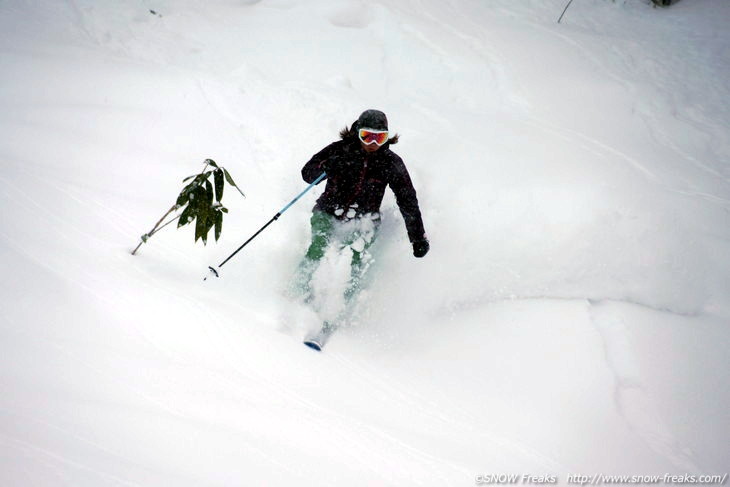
(420, 248)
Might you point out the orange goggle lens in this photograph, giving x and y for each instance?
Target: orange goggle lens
(368, 137)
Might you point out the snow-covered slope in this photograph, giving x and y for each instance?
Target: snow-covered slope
(572, 316)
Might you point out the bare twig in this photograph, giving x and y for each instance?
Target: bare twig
(564, 10)
(154, 229)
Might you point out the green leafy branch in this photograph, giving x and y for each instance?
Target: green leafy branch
(200, 202)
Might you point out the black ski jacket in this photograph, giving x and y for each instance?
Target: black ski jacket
(357, 179)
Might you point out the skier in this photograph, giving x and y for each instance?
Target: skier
(347, 214)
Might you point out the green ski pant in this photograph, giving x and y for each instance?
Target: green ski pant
(355, 236)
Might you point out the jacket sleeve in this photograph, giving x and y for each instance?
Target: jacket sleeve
(405, 196)
(318, 163)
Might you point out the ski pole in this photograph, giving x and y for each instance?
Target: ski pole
(276, 217)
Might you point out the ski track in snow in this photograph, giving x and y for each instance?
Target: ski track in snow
(605, 151)
(571, 135)
(51, 459)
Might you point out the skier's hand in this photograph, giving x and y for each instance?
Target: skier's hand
(420, 248)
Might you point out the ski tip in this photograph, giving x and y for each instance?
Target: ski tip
(313, 345)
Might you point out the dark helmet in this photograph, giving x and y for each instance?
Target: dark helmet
(373, 119)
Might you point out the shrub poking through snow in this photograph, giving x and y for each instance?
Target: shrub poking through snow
(200, 202)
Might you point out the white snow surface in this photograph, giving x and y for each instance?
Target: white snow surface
(572, 317)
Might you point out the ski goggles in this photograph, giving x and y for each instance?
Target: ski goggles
(370, 136)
